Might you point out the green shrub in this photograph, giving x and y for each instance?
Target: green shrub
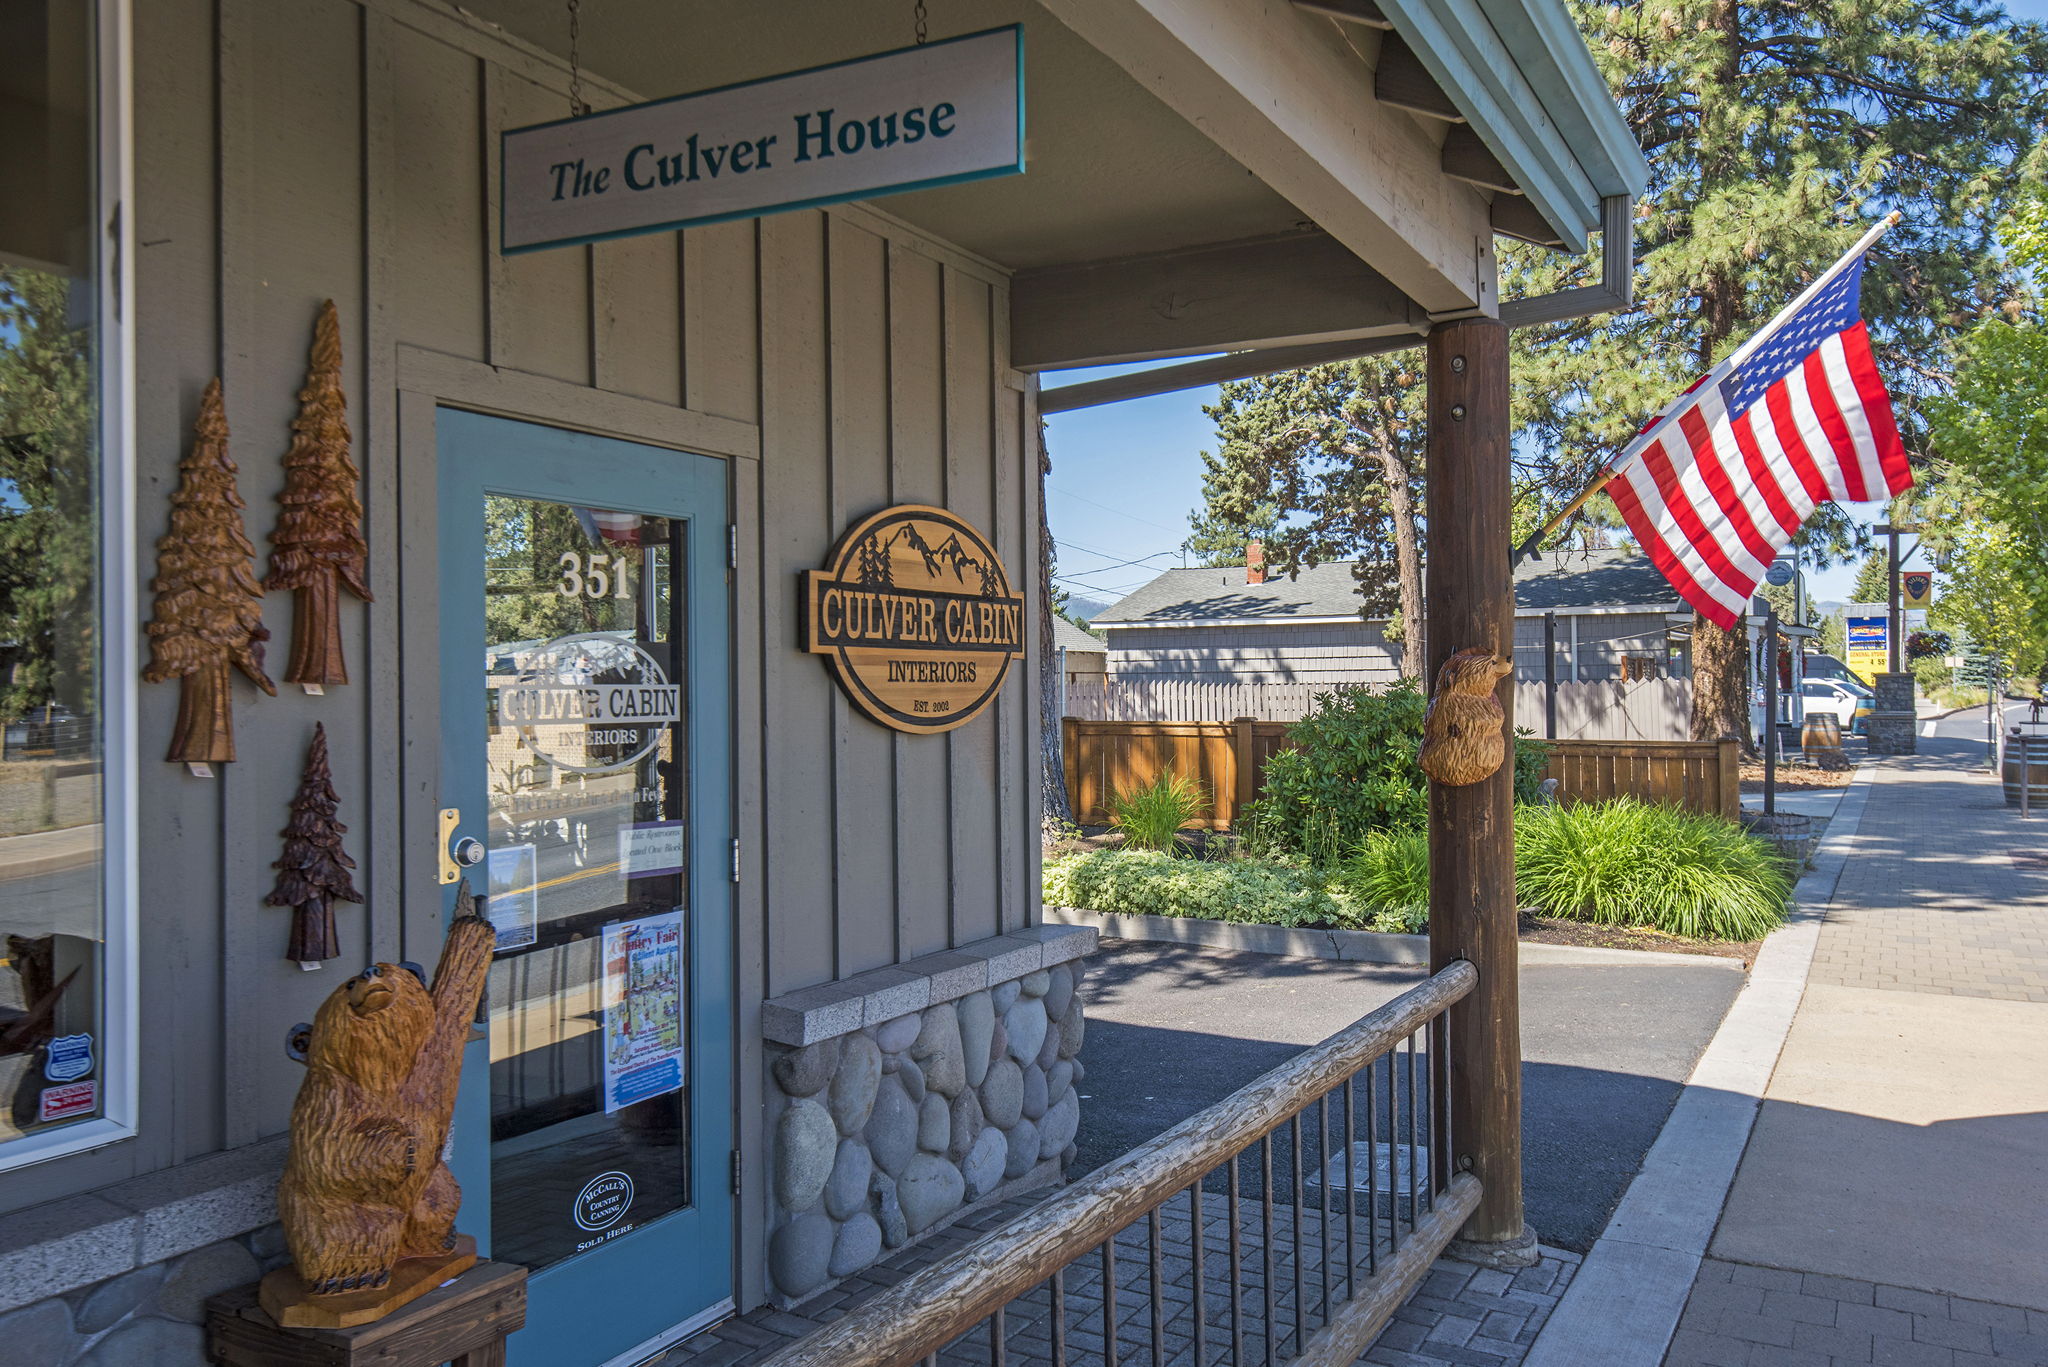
(1353, 770)
(1931, 674)
(1151, 817)
(1151, 883)
(1389, 871)
(1648, 864)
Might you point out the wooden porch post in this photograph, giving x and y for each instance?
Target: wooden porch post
(1471, 828)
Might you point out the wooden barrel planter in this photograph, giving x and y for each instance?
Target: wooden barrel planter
(1787, 832)
(2028, 755)
(1820, 739)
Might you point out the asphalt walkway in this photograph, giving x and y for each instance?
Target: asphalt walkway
(1888, 1206)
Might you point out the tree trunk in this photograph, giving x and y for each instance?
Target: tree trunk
(316, 634)
(1052, 772)
(1407, 561)
(1720, 684)
(205, 729)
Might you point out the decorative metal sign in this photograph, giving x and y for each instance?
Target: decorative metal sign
(915, 616)
(912, 119)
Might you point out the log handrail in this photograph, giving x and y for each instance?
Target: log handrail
(926, 1311)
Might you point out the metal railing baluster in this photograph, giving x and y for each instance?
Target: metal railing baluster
(1266, 1232)
(998, 1339)
(1323, 1169)
(1158, 1296)
(1200, 1284)
(1059, 1317)
(1413, 1162)
(1350, 1196)
(1236, 1269)
(1393, 1156)
(1299, 1322)
(1109, 1346)
(1372, 1173)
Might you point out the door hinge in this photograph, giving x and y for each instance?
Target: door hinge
(735, 1172)
(735, 859)
(732, 546)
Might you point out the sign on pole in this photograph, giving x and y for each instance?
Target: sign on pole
(1916, 589)
(911, 119)
(1868, 656)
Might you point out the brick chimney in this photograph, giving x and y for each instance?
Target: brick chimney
(1255, 562)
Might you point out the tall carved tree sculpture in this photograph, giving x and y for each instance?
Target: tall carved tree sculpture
(209, 610)
(314, 872)
(317, 545)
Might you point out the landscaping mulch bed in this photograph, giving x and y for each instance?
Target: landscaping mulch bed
(1549, 930)
(1795, 776)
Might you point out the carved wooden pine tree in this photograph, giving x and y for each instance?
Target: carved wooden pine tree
(317, 545)
(209, 610)
(314, 873)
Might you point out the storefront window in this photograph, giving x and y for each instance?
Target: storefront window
(54, 965)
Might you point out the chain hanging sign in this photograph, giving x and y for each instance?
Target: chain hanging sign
(915, 616)
(912, 119)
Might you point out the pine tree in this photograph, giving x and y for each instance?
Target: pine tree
(1327, 463)
(313, 874)
(209, 610)
(1873, 580)
(317, 545)
(1776, 132)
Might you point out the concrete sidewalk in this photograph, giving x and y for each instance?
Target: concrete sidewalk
(1888, 1206)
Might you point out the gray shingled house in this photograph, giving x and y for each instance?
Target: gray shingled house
(1615, 618)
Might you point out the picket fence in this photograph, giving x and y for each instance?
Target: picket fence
(1647, 710)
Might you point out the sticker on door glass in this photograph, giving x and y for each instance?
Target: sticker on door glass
(513, 906)
(591, 703)
(602, 1201)
(67, 1058)
(647, 848)
(643, 1009)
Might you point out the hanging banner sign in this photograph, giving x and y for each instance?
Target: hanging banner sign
(1916, 589)
(916, 618)
(912, 119)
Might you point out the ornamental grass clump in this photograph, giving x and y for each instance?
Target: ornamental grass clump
(1389, 871)
(1635, 863)
(1151, 816)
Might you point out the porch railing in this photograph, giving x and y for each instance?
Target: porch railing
(1174, 1253)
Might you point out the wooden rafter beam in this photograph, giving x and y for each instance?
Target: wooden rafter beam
(1287, 290)
(1466, 157)
(1403, 82)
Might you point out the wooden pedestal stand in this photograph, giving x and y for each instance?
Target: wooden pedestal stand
(463, 1323)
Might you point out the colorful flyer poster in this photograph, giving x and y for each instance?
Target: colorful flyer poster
(513, 903)
(643, 1009)
(651, 847)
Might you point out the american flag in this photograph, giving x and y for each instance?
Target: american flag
(1720, 483)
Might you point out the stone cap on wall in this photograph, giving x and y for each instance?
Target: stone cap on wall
(837, 1008)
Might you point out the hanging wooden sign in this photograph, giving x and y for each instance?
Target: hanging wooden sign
(915, 616)
(914, 119)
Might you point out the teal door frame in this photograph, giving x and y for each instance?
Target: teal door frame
(635, 1289)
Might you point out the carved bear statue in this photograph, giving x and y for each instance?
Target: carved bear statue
(1464, 732)
(364, 1186)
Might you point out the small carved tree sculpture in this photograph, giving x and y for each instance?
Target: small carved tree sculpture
(317, 545)
(1464, 732)
(368, 1206)
(209, 610)
(314, 872)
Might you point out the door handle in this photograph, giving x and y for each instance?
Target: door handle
(451, 871)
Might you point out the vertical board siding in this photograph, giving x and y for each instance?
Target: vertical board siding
(917, 474)
(863, 754)
(291, 151)
(800, 862)
(438, 253)
(970, 492)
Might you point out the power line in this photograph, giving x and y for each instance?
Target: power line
(1068, 493)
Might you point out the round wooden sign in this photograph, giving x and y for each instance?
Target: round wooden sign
(915, 617)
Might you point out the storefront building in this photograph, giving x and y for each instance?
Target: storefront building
(590, 603)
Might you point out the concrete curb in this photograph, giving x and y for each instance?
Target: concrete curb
(44, 852)
(1623, 1306)
(1348, 946)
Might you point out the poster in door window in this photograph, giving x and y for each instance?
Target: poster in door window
(643, 1009)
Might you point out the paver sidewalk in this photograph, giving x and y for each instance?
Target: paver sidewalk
(1887, 1209)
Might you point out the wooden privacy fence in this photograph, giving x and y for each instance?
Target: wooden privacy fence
(1703, 776)
(1228, 759)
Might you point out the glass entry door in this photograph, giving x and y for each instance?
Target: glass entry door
(585, 745)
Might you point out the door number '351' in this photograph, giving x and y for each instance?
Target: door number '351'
(594, 576)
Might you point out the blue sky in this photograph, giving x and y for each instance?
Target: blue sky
(1125, 476)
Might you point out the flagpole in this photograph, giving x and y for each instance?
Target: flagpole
(1600, 481)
